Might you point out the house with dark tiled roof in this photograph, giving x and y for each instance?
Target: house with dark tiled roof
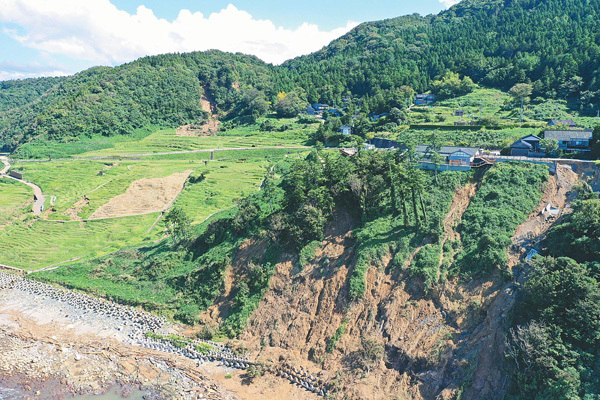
(571, 140)
(320, 107)
(346, 129)
(454, 156)
(526, 146)
(423, 98)
(381, 143)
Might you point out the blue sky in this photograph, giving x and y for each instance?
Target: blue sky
(58, 37)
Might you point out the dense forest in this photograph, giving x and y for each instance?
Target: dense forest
(554, 45)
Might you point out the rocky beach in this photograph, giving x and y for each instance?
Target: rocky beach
(57, 344)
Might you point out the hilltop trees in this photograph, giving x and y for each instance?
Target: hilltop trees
(451, 85)
(289, 104)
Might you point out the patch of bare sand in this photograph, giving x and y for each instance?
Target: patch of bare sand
(144, 196)
(73, 211)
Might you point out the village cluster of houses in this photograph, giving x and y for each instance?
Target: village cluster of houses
(458, 158)
(569, 140)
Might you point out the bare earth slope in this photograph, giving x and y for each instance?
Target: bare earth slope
(432, 341)
(144, 196)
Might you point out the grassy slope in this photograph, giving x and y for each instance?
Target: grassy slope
(15, 199)
(44, 242)
(25, 245)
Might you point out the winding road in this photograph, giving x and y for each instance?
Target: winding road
(39, 198)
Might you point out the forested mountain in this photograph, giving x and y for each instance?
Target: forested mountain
(552, 44)
(162, 90)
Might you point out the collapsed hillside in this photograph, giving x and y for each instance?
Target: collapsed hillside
(364, 271)
(436, 343)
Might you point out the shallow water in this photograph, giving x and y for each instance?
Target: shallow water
(113, 394)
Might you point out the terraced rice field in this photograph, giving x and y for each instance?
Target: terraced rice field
(167, 141)
(77, 188)
(43, 243)
(15, 201)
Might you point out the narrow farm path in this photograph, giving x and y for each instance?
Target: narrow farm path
(39, 199)
(4, 160)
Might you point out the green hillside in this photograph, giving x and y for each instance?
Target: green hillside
(554, 45)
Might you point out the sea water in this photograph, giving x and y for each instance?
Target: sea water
(113, 394)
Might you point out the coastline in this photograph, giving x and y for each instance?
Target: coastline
(51, 349)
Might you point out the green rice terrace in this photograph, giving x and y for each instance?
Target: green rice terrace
(98, 206)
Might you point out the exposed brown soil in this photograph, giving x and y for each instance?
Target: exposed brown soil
(73, 211)
(210, 127)
(144, 196)
(481, 353)
(432, 340)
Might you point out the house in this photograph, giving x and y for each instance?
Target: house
(310, 110)
(381, 143)
(566, 122)
(453, 157)
(335, 112)
(571, 141)
(460, 123)
(463, 156)
(346, 129)
(320, 107)
(423, 98)
(527, 146)
(375, 117)
(348, 152)
(459, 113)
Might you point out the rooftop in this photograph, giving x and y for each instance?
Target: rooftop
(568, 135)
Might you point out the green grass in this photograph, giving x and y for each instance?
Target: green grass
(389, 235)
(42, 243)
(239, 137)
(69, 181)
(15, 201)
(67, 147)
(509, 192)
(47, 242)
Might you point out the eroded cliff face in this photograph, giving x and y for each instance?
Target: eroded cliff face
(436, 343)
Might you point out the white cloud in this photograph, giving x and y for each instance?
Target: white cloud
(13, 70)
(449, 3)
(97, 31)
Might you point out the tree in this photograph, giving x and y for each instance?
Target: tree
(268, 186)
(398, 116)
(289, 106)
(451, 85)
(490, 121)
(549, 145)
(179, 225)
(521, 91)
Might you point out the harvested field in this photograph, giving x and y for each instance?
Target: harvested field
(144, 196)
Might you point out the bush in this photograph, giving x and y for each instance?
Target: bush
(426, 264)
(332, 342)
(509, 192)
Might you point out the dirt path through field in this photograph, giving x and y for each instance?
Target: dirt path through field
(144, 196)
(38, 204)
